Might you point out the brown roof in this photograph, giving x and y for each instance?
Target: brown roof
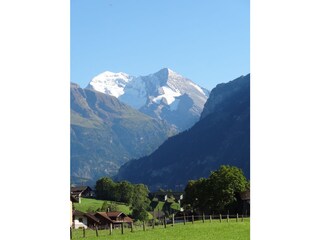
(80, 189)
(109, 215)
(128, 219)
(114, 214)
(89, 215)
(104, 215)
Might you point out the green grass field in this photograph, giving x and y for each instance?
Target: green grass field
(197, 231)
(87, 203)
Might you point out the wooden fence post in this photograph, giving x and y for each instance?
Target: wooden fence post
(192, 219)
(172, 219)
(242, 218)
(184, 219)
(153, 223)
(165, 222)
(220, 218)
(210, 218)
(203, 217)
(70, 232)
(237, 217)
(97, 234)
(110, 228)
(144, 225)
(228, 217)
(132, 227)
(84, 232)
(122, 228)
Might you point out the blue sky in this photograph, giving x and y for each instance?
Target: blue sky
(207, 41)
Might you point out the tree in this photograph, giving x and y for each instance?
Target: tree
(222, 186)
(105, 188)
(140, 202)
(140, 198)
(140, 214)
(196, 195)
(109, 206)
(126, 192)
(216, 192)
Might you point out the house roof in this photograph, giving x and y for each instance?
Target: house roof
(82, 214)
(91, 216)
(128, 219)
(114, 214)
(109, 215)
(104, 215)
(80, 189)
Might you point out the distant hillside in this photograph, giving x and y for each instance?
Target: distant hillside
(222, 136)
(106, 133)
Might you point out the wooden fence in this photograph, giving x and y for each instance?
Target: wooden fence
(163, 222)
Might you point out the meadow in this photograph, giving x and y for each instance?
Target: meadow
(94, 204)
(198, 231)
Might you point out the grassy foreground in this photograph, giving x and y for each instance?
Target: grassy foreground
(197, 231)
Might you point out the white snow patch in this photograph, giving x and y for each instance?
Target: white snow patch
(168, 95)
(197, 87)
(110, 83)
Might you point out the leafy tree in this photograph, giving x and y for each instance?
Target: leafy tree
(105, 188)
(140, 198)
(126, 192)
(140, 202)
(216, 192)
(196, 195)
(222, 186)
(140, 214)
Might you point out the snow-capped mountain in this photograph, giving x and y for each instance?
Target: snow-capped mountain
(164, 95)
(110, 83)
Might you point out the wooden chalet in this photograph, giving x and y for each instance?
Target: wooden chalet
(82, 191)
(84, 220)
(114, 218)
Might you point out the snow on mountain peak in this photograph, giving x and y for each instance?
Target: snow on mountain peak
(162, 94)
(110, 83)
(162, 87)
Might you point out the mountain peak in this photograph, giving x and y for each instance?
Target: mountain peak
(157, 95)
(110, 83)
(109, 74)
(166, 73)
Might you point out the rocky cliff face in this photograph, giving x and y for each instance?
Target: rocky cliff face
(224, 91)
